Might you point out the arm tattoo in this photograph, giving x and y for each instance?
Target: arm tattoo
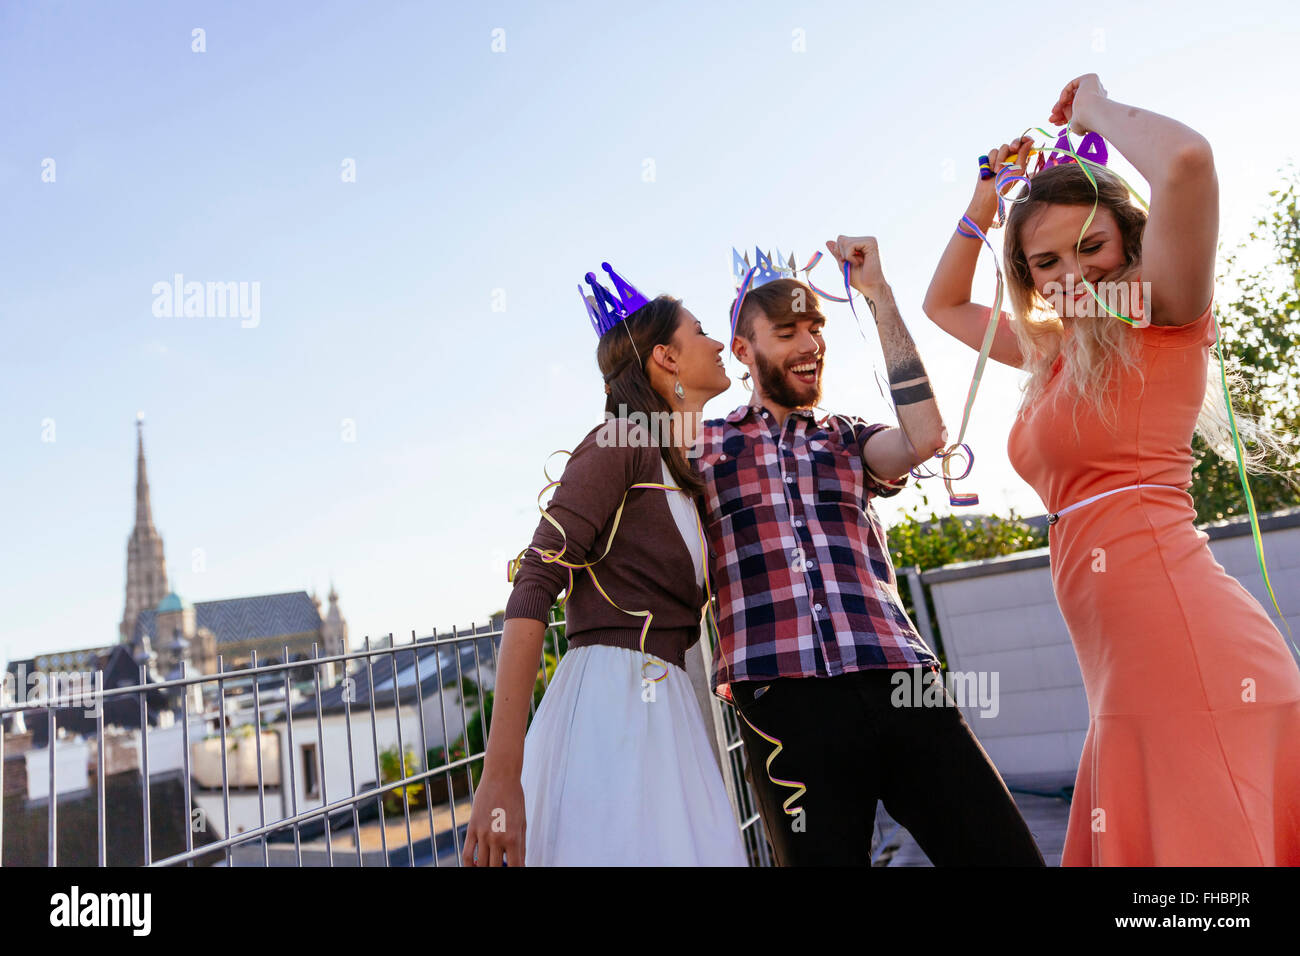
(871, 303)
(908, 383)
(912, 391)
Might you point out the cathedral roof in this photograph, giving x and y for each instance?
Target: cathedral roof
(247, 618)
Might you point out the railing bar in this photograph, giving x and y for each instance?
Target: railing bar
(424, 745)
(53, 847)
(484, 717)
(320, 754)
(352, 770)
(374, 743)
(225, 782)
(308, 814)
(482, 691)
(187, 679)
(261, 788)
(231, 675)
(464, 717)
(401, 750)
(185, 768)
(2, 791)
(293, 760)
(144, 760)
(446, 754)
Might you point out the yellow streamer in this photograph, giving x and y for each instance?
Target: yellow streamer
(553, 556)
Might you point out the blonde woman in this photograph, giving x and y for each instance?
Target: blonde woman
(1192, 755)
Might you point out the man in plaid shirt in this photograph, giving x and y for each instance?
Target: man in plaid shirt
(811, 628)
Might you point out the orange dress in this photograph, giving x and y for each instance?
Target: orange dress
(1192, 756)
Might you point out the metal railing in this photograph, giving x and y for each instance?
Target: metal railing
(451, 666)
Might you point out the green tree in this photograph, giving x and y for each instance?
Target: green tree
(934, 541)
(1260, 329)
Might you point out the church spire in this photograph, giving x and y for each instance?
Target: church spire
(146, 568)
(334, 628)
(143, 511)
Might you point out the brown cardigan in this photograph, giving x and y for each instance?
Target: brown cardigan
(648, 568)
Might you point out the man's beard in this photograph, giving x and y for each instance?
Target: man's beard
(774, 384)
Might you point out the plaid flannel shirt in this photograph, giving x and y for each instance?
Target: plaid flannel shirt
(801, 571)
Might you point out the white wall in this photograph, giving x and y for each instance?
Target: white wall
(334, 749)
(74, 757)
(70, 768)
(333, 752)
(1009, 622)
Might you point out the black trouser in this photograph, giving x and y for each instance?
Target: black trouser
(850, 746)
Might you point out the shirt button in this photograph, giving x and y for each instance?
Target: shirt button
(798, 522)
(811, 564)
(765, 414)
(817, 608)
(722, 458)
(783, 446)
(788, 479)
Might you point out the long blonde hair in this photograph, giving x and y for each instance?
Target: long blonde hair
(1101, 346)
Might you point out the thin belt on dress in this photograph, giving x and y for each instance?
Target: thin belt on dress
(1055, 516)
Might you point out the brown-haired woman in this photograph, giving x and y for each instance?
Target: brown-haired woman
(1192, 755)
(616, 767)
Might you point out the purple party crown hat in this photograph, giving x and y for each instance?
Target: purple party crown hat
(604, 308)
(1092, 148)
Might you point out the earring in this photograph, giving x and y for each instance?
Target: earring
(678, 390)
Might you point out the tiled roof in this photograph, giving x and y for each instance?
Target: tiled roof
(248, 618)
(458, 660)
(86, 658)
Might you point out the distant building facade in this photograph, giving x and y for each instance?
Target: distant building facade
(159, 625)
(160, 629)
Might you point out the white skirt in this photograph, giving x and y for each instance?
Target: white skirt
(611, 779)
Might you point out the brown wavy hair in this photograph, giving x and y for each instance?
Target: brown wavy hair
(623, 366)
(778, 300)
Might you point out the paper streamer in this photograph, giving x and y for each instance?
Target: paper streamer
(968, 228)
(553, 556)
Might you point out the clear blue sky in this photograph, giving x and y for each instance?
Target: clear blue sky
(478, 171)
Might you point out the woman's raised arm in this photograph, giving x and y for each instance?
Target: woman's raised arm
(1181, 236)
(947, 301)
